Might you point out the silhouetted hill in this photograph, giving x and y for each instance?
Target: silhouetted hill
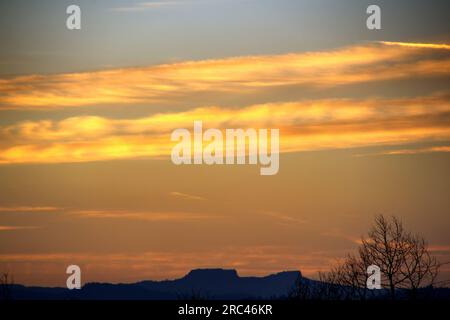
(211, 284)
(197, 284)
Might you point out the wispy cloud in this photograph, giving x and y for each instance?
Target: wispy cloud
(186, 196)
(283, 219)
(336, 233)
(440, 248)
(417, 45)
(408, 151)
(28, 209)
(422, 150)
(15, 228)
(242, 75)
(144, 215)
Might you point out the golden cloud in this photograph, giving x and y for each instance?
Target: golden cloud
(304, 126)
(253, 74)
(417, 45)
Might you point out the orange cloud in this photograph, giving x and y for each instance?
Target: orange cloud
(282, 218)
(336, 233)
(253, 74)
(186, 196)
(146, 216)
(304, 126)
(409, 151)
(421, 150)
(28, 209)
(14, 228)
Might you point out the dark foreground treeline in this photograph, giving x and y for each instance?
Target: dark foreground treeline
(218, 284)
(407, 269)
(310, 290)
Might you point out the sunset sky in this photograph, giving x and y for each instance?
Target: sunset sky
(86, 117)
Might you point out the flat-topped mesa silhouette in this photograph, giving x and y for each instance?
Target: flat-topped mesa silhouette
(227, 283)
(198, 283)
(211, 275)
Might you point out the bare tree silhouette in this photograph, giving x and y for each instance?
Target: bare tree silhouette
(403, 258)
(421, 268)
(350, 276)
(6, 283)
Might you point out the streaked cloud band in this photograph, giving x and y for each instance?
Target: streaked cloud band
(243, 75)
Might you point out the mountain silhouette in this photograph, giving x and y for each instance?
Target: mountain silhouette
(197, 284)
